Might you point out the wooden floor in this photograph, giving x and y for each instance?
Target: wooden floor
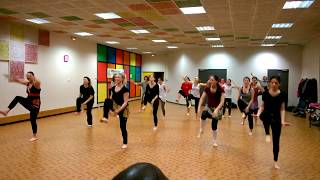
(67, 149)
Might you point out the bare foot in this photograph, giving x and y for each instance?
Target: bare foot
(5, 112)
(200, 133)
(104, 120)
(155, 128)
(33, 139)
(250, 133)
(276, 165)
(215, 144)
(124, 146)
(77, 113)
(268, 138)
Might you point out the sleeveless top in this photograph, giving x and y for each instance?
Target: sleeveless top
(162, 92)
(34, 96)
(246, 97)
(195, 91)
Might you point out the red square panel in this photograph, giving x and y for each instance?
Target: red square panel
(140, 7)
(138, 91)
(132, 89)
(126, 58)
(119, 56)
(102, 72)
(127, 72)
(138, 60)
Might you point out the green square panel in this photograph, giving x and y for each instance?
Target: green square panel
(39, 14)
(71, 18)
(188, 3)
(7, 11)
(102, 53)
(133, 73)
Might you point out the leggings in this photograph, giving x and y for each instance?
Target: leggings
(108, 105)
(214, 123)
(142, 99)
(276, 132)
(250, 118)
(89, 108)
(227, 104)
(162, 103)
(196, 102)
(185, 96)
(25, 102)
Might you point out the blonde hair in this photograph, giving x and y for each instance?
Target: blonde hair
(122, 75)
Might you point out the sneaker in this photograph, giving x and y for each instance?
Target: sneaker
(124, 146)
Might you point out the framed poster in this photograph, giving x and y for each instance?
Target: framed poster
(16, 70)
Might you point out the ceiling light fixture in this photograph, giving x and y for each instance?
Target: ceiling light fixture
(146, 52)
(140, 31)
(83, 34)
(273, 37)
(193, 10)
(172, 47)
(213, 39)
(112, 42)
(297, 4)
(267, 45)
(282, 25)
(133, 48)
(38, 21)
(205, 28)
(217, 46)
(109, 15)
(159, 40)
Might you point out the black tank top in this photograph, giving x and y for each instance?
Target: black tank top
(34, 96)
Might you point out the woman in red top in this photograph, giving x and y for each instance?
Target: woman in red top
(213, 108)
(186, 87)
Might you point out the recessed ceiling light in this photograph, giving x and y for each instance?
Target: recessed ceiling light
(205, 28)
(172, 47)
(83, 34)
(213, 39)
(193, 10)
(159, 40)
(282, 25)
(267, 45)
(140, 31)
(133, 48)
(217, 46)
(109, 15)
(147, 52)
(297, 4)
(112, 42)
(38, 21)
(273, 37)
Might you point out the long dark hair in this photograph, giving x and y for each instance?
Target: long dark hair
(88, 80)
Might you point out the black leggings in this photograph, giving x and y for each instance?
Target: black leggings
(185, 97)
(89, 108)
(276, 132)
(227, 104)
(250, 118)
(25, 102)
(108, 105)
(196, 102)
(214, 123)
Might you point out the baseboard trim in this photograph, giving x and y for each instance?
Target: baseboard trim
(43, 114)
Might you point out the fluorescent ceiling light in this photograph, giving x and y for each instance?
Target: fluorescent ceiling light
(147, 52)
(205, 28)
(112, 42)
(132, 48)
(193, 10)
(267, 45)
(83, 34)
(297, 4)
(172, 47)
(140, 31)
(273, 37)
(159, 40)
(217, 46)
(109, 15)
(282, 25)
(213, 39)
(38, 21)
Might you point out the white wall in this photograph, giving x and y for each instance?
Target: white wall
(311, 61)
(60, 80)
(239, 62)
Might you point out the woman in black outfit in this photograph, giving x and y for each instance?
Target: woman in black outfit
(272, 113)
(86, 97)
(32, 102)
(118, 105)
(152, 96)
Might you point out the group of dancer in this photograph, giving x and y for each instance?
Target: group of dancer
(216, 97)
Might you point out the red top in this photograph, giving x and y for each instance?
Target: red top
(213, 99)
(186, 87)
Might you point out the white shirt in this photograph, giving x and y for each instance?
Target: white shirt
(195, 91)
(227, 91)
(162, 92)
